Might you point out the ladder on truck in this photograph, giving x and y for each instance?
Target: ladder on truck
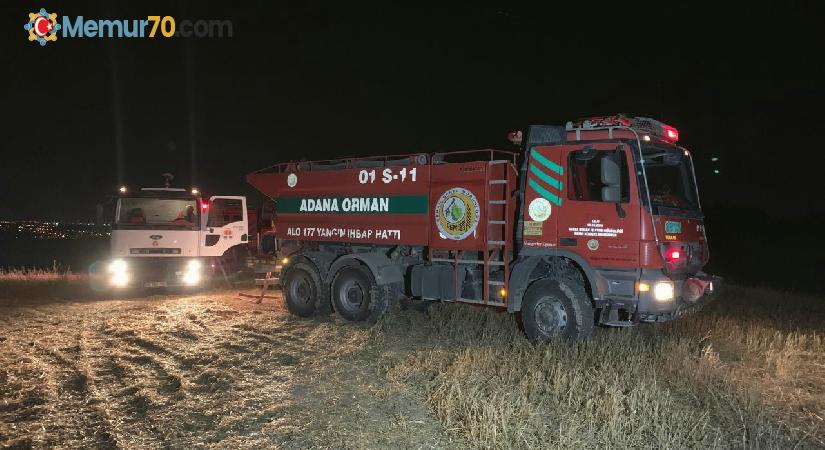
(498, 250)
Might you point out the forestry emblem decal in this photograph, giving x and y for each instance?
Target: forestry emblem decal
(539, 209)
(457, 213)
(42, 27)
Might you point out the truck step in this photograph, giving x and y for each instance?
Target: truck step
(499, 161)
(619, 323)
(496, 242)
(481, 302)
(496, 283)
(498, 181)
(496, 222)
(468, 261)
(460, 261)
(498, 202)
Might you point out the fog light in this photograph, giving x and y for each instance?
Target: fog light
(502, 293)
(663, 291)
(644, 287)
(285, 261)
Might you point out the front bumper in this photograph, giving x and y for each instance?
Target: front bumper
(690, 295)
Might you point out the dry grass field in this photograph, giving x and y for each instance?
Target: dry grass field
(210, 370)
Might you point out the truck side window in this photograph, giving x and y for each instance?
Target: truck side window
(223, 211)
(584, 176)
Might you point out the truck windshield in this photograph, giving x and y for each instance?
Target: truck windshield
(155, 213)
(670, 181)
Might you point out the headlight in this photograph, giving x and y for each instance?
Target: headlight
(192, 275)
(663, 291)
(120, 279)
(117, 266)
(119, 270)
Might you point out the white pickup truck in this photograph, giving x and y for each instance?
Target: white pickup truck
(165, 237)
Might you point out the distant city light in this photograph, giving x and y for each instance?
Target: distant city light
(716, 171)
(714, 159)
(29, 229)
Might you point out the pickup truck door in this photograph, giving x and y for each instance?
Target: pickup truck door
(224, 224)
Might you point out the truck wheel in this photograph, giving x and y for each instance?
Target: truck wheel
(356, 297)
(557, 309)
(301, 289)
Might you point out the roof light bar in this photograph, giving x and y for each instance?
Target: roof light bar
(651, 127)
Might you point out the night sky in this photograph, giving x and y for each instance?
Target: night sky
(744, 83)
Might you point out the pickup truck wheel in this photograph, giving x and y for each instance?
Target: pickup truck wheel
(301, 290)
(356, 296)
(557, 309)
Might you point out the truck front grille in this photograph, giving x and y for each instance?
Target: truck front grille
(154, 251)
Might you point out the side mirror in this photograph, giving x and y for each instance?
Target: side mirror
(611, 194)
(611, 179)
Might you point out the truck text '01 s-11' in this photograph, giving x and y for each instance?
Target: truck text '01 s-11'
(597, 222)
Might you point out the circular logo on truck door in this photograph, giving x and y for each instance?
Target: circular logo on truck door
(456, 213)
(593, 245)
(539, 209)
(291, 180)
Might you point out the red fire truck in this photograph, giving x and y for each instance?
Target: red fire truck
(594, 223)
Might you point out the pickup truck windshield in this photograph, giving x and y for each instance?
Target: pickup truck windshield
(154, 213)
(670, 180)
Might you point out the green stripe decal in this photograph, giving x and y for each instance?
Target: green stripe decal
(546, 178)
(388, 204)
(547, 163)
(544, 192)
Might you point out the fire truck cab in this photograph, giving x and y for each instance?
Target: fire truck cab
(616, 198)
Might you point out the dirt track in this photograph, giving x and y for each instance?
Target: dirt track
(197, 371)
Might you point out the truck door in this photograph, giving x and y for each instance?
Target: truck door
(224, 224)
(604, 230)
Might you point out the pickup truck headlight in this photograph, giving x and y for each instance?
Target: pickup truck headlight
(192, 274)
(119, 271)
(663, 291)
